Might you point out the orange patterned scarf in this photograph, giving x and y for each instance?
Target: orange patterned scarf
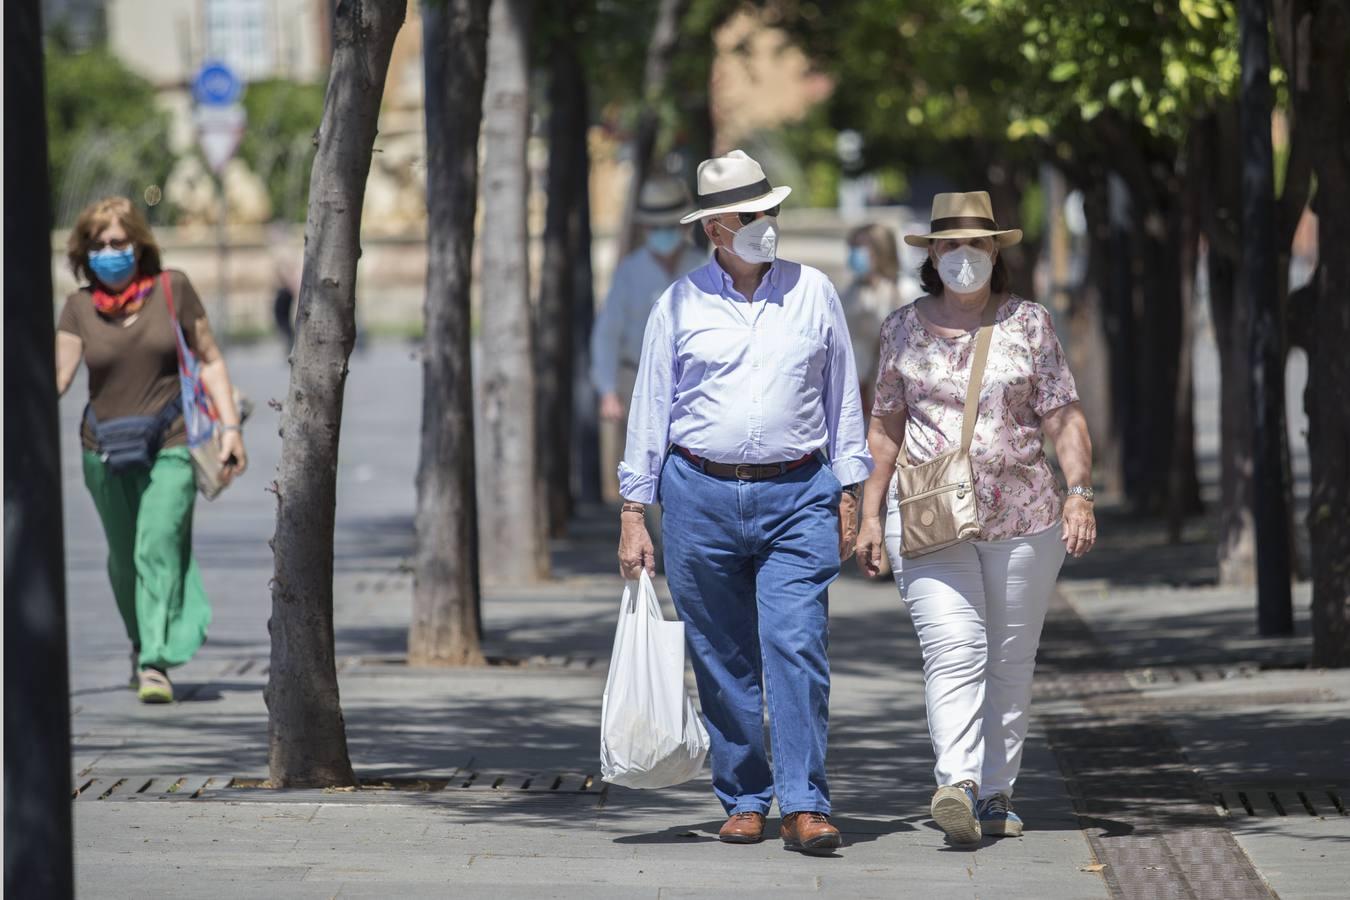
(128, 300)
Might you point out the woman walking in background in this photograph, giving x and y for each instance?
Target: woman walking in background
(874, 293)
(136, 462)
(977, 605)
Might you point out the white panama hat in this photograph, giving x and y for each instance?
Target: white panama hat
(662, 201)
(733, 183)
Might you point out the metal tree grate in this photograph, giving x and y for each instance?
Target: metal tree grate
(146, 787)
(1248, 801)
(1169, 675)
(470, 782)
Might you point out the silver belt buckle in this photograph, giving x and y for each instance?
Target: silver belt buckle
(744, 472)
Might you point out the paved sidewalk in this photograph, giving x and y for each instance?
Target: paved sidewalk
(485, 771)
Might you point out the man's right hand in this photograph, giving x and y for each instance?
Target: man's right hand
(611, 407)
(635, 546)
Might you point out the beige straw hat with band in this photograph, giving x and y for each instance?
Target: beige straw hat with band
(968, 215)
(734, 183)
(663, 200)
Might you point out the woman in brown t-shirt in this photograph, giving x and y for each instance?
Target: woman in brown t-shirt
(121, 326)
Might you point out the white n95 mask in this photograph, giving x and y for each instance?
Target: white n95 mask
(965, 270)
(756, 242)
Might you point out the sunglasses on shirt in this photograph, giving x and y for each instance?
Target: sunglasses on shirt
(748, 217)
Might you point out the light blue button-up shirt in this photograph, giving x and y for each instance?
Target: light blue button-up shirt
(735, 381)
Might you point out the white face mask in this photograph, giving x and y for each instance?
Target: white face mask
(756, 242)
(965, 270)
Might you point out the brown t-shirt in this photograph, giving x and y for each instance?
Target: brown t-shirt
(133, 364)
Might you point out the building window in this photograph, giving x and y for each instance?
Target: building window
(237, 34)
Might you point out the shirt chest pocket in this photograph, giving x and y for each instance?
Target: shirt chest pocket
(797, 356)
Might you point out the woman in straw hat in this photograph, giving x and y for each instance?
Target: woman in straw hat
(978, 605)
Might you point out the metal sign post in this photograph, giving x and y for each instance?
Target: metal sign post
(220, 123)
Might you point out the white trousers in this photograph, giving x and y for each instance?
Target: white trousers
(978, 608)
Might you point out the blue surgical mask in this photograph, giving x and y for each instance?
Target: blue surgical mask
(113, 266)
(859, 261)
(664, 241)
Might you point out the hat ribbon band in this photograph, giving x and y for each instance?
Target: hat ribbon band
(735, 195)
(953, 222)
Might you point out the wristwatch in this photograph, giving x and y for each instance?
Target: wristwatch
(853, 490)
(1082, 491)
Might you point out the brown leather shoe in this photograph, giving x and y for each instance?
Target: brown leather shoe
(810, 832)
(743, 828)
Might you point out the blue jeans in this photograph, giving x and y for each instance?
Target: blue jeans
(749, 565)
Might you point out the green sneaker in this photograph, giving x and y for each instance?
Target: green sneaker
(155, 687)
(953, 808)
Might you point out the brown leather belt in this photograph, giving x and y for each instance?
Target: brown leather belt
(743, 471)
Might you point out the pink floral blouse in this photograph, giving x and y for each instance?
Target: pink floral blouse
(1026, 377)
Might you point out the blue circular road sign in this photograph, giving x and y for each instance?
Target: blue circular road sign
(216, 85)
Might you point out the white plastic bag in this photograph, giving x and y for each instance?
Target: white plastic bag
(651, 736)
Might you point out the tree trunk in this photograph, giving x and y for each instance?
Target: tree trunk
(1265, 339)
(446, 626)
(1162, 429)
(1006, 186)
(1237, 530)
(1089, 346)
(1158, 443)
(512, 529)
(655, 87)
(585, 420)
(1329, 372)
(38, 860)
(1181, 463)
(307, 742)
(556, 354)
(1219, 181)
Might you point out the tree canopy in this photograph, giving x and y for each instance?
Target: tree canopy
(105, 133)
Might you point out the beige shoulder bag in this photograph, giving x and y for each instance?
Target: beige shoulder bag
(937, 498)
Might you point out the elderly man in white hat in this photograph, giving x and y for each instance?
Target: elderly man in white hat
(639, 278)
(746, 424)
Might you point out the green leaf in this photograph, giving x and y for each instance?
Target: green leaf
(1064, 70)
(1177, 74)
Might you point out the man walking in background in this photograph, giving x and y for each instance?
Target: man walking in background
(746, 424)
(639, 278)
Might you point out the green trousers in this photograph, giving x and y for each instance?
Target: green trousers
(147, 516)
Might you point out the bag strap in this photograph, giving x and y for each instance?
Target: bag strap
(982, 342)
(179, 337)
(170, 412)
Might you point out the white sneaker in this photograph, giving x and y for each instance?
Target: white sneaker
(953, 808)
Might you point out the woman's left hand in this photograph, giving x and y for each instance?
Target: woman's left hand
(232, 455)
(1080, 526)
